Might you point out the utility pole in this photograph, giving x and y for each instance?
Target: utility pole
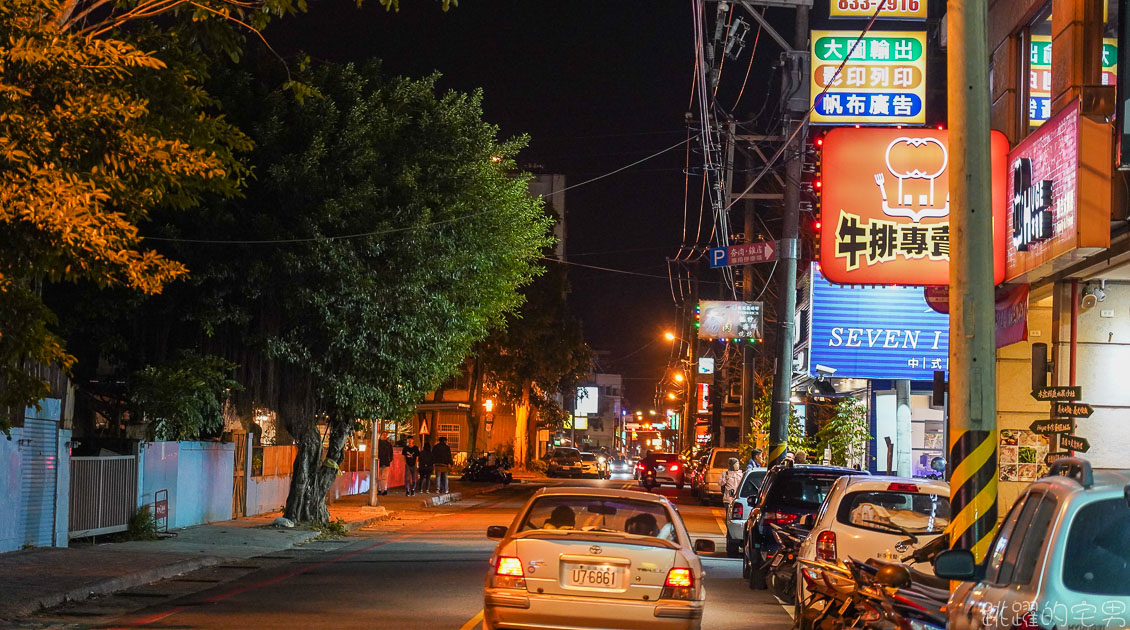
(787, 263)
(972, 432)
(374, 464)
(748, 356)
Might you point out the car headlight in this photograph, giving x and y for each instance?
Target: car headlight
(601, 460)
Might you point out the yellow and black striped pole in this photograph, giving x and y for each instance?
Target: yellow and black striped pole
(973, 404)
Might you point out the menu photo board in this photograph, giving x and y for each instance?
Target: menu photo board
(882, 82)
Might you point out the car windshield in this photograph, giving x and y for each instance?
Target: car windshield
(588, 457)
(895, 512)
(722, 459)
(665, 458)
(800, 489)
(1097, 558)
(586, 513)
(752, 483)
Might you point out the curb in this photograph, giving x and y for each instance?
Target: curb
(113, 585)
(379, 512)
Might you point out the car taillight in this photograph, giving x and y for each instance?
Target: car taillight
(509, 566)
(674, 468)
(735, 511)
(679, 578)
(640, 466)
(1027, 622)
(781, 518)
(826, 546)
(902, 487)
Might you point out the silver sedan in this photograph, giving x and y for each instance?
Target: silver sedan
(576, 558)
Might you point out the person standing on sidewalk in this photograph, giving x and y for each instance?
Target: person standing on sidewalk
(411, 453)
(425, 465)
(384, 459)
(441, 458)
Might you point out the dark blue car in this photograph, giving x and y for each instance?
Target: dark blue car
(788, 493)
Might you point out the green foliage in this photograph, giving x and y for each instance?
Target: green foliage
(758, 436)
(182, 399)
(539, 466)
(846, 433)
(330, 529)
(142, 525)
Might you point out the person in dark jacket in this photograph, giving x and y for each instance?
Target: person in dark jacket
(384, 459)
(441, 461)
(424, 465)
(411, 455)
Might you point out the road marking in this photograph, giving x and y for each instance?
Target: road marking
(473, 622)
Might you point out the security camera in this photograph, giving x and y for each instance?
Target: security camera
(1092, 295)
(825, 370)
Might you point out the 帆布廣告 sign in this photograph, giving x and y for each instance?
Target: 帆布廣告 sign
(882, 80)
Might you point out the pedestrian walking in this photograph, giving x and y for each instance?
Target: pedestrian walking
(441, 463)
(384, 459)
(411, 475)
(730, 481)
(424, 463)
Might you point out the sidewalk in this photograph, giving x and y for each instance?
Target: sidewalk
(43, 577)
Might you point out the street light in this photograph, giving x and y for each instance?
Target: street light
(671, 396)
(678, 377)
(669, 336)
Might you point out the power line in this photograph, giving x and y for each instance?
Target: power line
(623, 168)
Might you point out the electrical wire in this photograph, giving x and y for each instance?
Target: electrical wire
(622, 168)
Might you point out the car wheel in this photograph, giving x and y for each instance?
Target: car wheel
(745, 562)
(733, 549)
(756, 574)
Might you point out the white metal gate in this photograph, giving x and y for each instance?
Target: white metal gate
(103, 494)
(38, 477)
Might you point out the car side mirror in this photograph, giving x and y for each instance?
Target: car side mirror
(893, 575)
(496, 531)
(955, 564)
(807, 521)
(703, 545)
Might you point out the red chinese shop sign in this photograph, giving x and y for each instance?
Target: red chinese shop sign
(885, 214)
(1059, 195)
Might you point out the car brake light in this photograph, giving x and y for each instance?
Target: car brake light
(780, 518)
(674, 468)
(735, 511)
(826, 546)
(902, 487)
(679, 578)
(509, 566)
(1027, 622)
(640, 466)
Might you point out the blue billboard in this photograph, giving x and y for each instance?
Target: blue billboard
(880, 332)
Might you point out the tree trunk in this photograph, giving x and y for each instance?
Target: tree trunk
(532, 437)
(474, 420)
(313, 476)
(521, 429)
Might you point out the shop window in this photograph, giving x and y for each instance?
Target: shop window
(1038, 69)
(451, 432)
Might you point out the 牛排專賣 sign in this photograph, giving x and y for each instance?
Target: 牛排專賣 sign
(885, 212)
(879, 333)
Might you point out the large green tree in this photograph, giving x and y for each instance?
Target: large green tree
(382, 236)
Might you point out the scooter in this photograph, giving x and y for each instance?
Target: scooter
(647, 479)
(479, 470)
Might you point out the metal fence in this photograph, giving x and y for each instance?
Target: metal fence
(103, 494)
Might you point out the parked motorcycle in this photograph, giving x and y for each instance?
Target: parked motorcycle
(481, 469)
(780, 566)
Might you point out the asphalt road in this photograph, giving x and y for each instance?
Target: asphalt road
(421, 570)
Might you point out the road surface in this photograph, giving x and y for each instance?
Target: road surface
(421, 570)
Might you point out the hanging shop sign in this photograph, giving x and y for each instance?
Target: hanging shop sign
(891, 9)
(1040, 75)
(883, 81)
(885, 208)
(1059, 196)
(885, 333)
(702, 398)
(724, 319)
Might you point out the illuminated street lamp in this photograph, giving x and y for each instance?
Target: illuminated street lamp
(678, 377)
(669, 336)
(651, 413)
(671, 396)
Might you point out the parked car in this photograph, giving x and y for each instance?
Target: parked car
(564, 462)
(665, 468)
(1060, 559)
(867, 517)
(740, 508)
(595, 558)
(788, 493)
(711, 474)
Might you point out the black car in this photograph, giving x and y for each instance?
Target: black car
(788, 493)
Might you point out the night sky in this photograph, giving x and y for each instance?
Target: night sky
(596, 86)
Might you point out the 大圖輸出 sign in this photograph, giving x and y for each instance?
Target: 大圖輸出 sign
(882, 82)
